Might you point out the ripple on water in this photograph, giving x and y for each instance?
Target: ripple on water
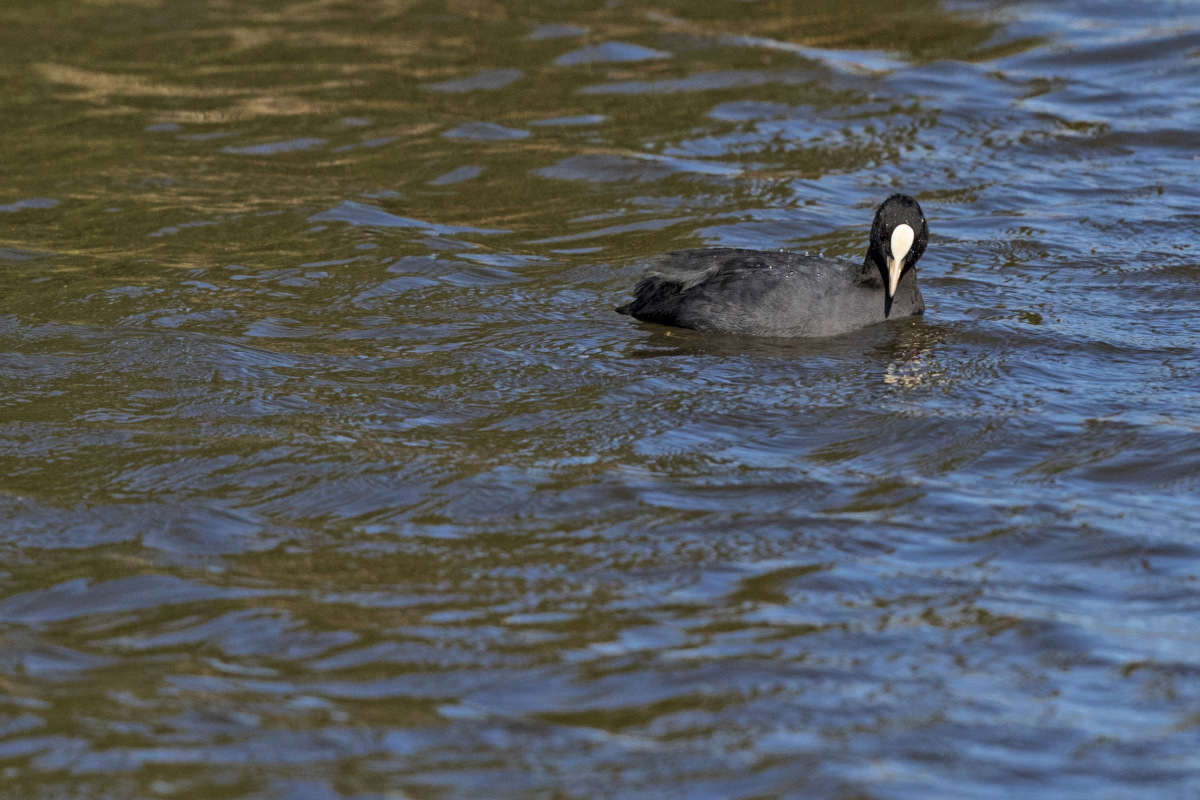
(272, 148)
(489, 79)
(329, 469)
(29, 203)
(609, 52)
(485, 132)
(357, 213)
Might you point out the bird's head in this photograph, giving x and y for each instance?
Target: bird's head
(898, 238)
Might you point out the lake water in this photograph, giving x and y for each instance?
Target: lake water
(327, 470)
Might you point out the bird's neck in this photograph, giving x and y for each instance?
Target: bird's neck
(873, 272)
(907, 299)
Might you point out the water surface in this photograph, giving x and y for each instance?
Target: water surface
(329, 472)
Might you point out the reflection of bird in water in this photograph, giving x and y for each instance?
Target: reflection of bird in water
(770, 293)
(912, 361)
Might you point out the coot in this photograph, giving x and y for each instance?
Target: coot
(776, 293)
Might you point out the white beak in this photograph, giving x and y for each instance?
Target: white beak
(902, 242)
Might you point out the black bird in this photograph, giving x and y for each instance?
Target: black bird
(776, 293)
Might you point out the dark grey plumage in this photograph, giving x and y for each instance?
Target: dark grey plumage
(770, 293)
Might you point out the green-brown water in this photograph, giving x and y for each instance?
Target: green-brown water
(329, 472)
